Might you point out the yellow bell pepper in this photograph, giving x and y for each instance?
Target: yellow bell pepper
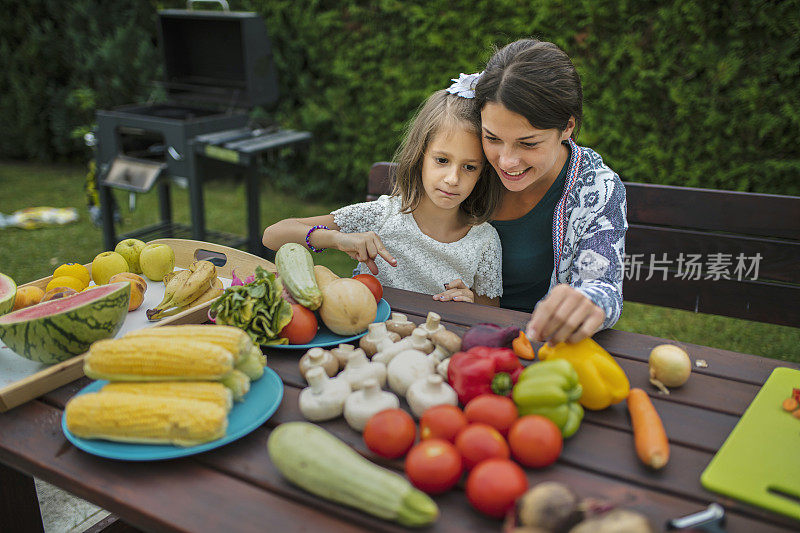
(603, 380)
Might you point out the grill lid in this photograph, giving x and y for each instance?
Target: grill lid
(217, 57)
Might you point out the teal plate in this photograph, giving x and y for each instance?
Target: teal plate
(259, 404)
(326, 337)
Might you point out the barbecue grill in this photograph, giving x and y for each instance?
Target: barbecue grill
(217, 67)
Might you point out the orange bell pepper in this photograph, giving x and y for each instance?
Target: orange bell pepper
(522, 347)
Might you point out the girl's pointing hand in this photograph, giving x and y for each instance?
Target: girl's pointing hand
(364, 248)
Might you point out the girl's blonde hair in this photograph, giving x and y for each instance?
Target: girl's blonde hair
(440, 111)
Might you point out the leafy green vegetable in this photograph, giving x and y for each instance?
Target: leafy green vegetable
(256, 307)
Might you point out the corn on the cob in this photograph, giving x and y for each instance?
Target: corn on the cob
(156, 359)
(236, 340)
(207, 391)
(145, 419)
(252, 365)
(239, 384)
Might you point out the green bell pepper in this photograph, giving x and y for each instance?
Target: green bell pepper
(551, 389)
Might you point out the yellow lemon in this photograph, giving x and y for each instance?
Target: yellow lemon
(76, 270)
(66, 281)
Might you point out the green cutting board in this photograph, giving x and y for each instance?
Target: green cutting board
(759, 463)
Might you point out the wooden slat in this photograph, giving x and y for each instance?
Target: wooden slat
(721, 363)
(779, 258)
(177, 495)
(749, 300)
(380, 180)
(767, 215)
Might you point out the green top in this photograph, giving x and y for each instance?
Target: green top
(527, 243)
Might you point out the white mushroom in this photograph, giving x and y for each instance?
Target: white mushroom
(419, 341)
(318, 357)
(342, 353)
(446, 344)
(359, 369)
(429, 391)
(387, 349)
(361, 405)
(324, 398)
(441, 368)
(407, 367)
(432, 324)
(376, 332)
(400, 324)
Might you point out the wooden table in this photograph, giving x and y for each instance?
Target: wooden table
(236, 488)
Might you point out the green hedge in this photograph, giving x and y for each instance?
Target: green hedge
(689, 93)
(62, 60)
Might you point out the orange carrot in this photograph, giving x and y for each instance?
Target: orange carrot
(649, 436)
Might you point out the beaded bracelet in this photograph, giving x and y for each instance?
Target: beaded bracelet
(308, 238)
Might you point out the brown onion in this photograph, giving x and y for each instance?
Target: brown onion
(670, 366)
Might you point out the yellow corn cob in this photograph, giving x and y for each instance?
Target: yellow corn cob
(207, 391)
(157, 359)
(239, 384)
(145, 419)
(252, 365)
(231, 338)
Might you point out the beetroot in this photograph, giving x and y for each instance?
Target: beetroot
(489, 335)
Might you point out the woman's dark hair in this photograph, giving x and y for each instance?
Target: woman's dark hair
(535, 79)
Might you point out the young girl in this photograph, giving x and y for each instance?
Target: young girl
(431, 234)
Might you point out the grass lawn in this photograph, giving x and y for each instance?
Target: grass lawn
(31, 254)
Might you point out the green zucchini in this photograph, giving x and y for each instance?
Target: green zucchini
(296, 270)
(315, 460)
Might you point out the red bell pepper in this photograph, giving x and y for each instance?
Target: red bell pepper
(483, 370)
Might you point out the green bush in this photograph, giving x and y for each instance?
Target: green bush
(61, 61)
(695, 93)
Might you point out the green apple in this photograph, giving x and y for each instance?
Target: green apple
(130, 250)
(107, 264)
(157, 260)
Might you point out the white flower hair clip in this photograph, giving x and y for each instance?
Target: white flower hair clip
(464, 85)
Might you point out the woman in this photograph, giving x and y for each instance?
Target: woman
(561, 219)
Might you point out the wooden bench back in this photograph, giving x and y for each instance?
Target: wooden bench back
(697, 249)
(732, 230)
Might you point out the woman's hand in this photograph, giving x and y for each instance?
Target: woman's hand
(564, 315)
(364, 248)
(457, 291)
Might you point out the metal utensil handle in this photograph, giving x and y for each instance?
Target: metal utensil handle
(223, 3)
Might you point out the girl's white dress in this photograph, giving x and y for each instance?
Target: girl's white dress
(425, 264)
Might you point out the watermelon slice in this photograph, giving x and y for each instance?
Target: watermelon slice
(8, 291)
(51, 332)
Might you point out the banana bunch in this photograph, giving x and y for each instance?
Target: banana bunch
(188, 288)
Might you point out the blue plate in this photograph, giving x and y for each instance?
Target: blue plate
(326, 337)
(259, 404)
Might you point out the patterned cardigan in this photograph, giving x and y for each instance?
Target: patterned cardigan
(589, 226)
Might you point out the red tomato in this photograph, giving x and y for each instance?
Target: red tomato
(372, 284)
(535, 441)
(433, 466)
(478, 442)
(497, 411)
(442, 422)
(494, 485)
(390, 433)
(302, 328)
